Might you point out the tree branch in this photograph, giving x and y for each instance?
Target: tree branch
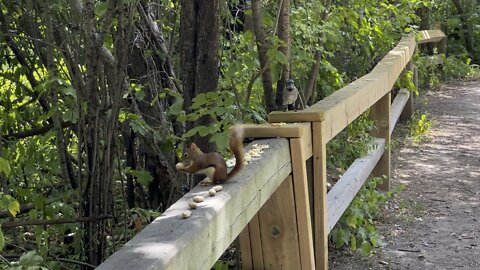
(34, 131)
(13, 224)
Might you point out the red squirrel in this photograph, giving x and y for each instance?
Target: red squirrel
(212, 164)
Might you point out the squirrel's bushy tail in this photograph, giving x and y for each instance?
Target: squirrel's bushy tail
(236, 146)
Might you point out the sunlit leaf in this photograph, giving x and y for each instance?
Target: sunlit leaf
(5, 166)
(366, 248)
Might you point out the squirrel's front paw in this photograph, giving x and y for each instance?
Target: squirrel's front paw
(205, 182)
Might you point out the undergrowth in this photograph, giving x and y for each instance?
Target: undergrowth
(356, 228)
(419, 126)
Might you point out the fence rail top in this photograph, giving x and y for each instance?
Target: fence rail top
(429, 36)
(171, 242)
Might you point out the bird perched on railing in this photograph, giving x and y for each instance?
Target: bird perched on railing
(289, 95)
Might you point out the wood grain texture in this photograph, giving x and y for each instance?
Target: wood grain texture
(256, 243)
(320, 195)
(245, 248)
(290, 130)
(302, 200)
(430, 36)
(380, 113)
(170, 242)
(343, 192)
(398, 105)
(278, 228)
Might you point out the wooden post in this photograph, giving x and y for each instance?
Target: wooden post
(380, 113)
(278, 229)
(320, 194)
(409, 108)
(251, 245)
(442, 46)
(246, 248)
(302, 201)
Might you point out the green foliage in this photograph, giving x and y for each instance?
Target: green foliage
(5, 166)
(428, 73)
(29, 261)
(406, 81)
(352, 143)
(357, 224)
(419, 126)
(222, 107)
(142, 176)
(351, 37)
(455, 66)
(2, 240)
(221, 265)
(9, 203)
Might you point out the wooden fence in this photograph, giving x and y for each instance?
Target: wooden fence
(278, 206)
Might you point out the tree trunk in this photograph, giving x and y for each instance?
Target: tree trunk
(199, 42)
(262, 47)
(188, 56)
(284, 36)
(312, 78)
(207, 57)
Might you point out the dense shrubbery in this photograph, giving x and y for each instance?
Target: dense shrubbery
(56, 150)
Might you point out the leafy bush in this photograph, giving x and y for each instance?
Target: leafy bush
(457, 67)
(419, 125)
(356, 227)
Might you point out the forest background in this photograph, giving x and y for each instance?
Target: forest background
(98, 99)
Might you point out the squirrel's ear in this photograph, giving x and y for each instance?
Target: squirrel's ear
(193, 146)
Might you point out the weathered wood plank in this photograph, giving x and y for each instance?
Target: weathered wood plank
(320, 195)
(380, 113)
(302, 200)
(278, 228)
(196, 243)
(343, 192)
(408, 109)
(256, 243)
(398, 105)
(245, 248)
(430, 36)
(284, 130)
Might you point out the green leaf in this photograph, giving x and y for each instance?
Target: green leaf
(30, 259)
(100, 9)
(353, 242)
(339, 238)
(9, 203)
(143, 177)
(366, 248)
(177, 106)
(192, 132)
(199, 101)
(2, 240)
(220, 139)
(352, 221)
(5, 166)
(280, 57)
(204, 131)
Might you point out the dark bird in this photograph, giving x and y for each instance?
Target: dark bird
(289, 95)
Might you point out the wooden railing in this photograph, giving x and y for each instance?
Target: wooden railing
(278, 205)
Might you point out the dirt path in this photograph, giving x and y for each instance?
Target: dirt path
(435, 222)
